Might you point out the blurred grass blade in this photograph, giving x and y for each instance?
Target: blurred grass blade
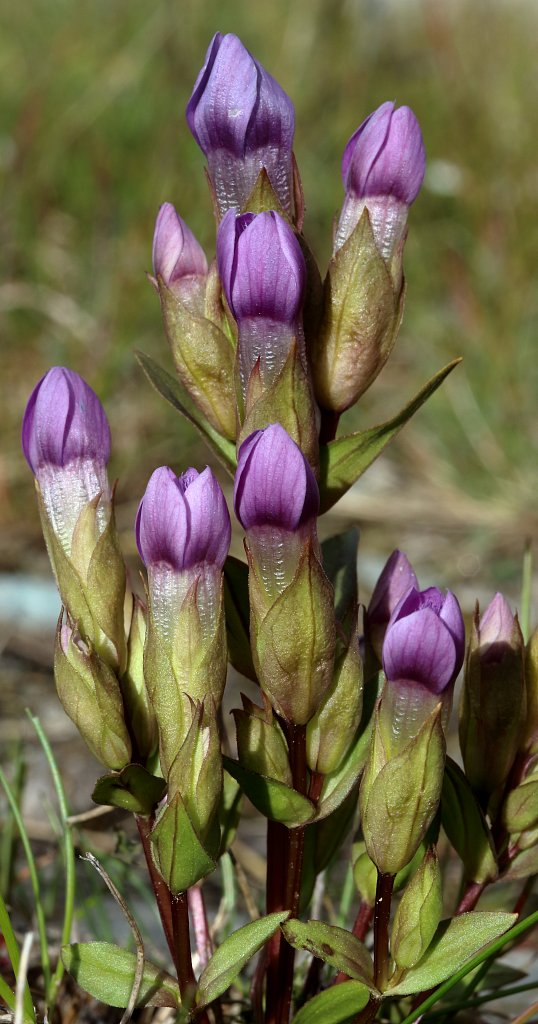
(14, 954)
(7, 843)
(526, 592)
(22, 980)
(68, 855)
(34, 880)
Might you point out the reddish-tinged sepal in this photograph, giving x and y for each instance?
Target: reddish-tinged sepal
(90, 694)
(492, 710)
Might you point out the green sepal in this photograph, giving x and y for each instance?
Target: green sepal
(230, 958)
(335, 946)
(139, 712)
(177, 850)
(330, 733)
(263, 198)
(273, 799)
(339, 1004)
(344, 460)
(418, 913)
(339, 557)
(176, 395)
(196, 773)
(261, 746)
(293, 644)
(455, 942)
(237, 609)
(361, 317)
(105, 587)
(108, 973)
(90, 695)
(204, 361)
(339, 784)
(466, 827)
(400, 796)
(133, 789)
(69, 581)
(288, 401)
(523, 865)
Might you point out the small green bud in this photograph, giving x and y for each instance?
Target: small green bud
(204, 359)
(138, 710)
(362, 315)
(330, 732)
(418, 913)
(90, 694)
(364, 874)
(261, 745)
(400, 794)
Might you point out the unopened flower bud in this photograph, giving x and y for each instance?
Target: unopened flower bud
(383, 169)
(418, 914)
(396, 579)
(178, 258)
(291, 600)
(331, 731)
(183, 535)
(243, 121)
(492, 708)
(263, 274)
(66, 442)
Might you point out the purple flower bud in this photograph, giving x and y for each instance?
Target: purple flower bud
(183, 522)
(495, 631)
(425, 640)
(242, 120)
(176, 252)
(274, 484)
(263, 274)
(382, 168)
(64, 422)
(395, 580)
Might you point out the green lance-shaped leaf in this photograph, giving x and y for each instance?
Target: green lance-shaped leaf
(400, 797)
(133, 789)
(466, 826)
(289, 401)
(455, 942)
(273, 799)
(237, 609)
(520, 810)
(230, 958)
(177, 850)
(294, 642)
(108, 972)
(344, 460)
(339, 557)
(332, 730)
(418, 914)
(176, 395)
(335, 946)
(339, 1004)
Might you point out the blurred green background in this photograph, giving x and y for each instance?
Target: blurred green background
(93, 139)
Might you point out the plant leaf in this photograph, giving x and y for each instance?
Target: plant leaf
(337, 1005)
(176, 395)
(107, 973)
(273, 799)
(340, 563)
(344, 460)
(455, 942)
(334, 946)
(133, 789)
(339, 784)
(230, 958)
(466, 826)
(237, 609)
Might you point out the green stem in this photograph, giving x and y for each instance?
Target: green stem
(383, 897)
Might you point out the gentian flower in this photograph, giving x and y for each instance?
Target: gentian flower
(178, 258)
(243, 121)
(263, 275)
(425, 640)
(383, 169)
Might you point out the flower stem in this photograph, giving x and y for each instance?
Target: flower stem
(159, 886)
(383, 897)
(182, 945)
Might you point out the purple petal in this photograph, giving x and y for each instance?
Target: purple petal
(274, 484)
(421, 648)
(176, 252)
(497, 622)
(386, 156)
(64, 421)
(208, 521)
(451, 615)
(393, 584)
